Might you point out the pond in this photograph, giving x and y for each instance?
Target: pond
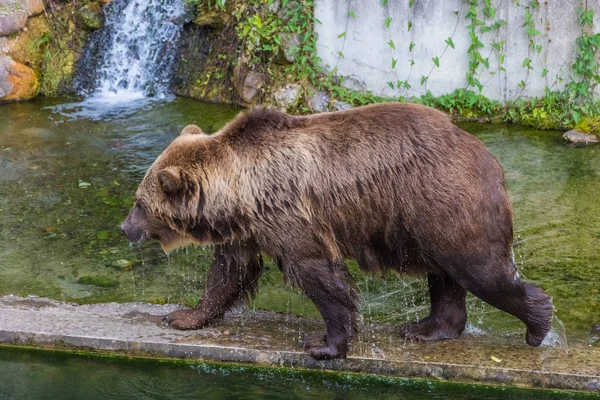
(50, 375)
(67, 183)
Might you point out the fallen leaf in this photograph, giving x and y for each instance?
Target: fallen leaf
(496, 359)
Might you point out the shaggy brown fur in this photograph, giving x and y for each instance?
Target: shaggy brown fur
(393, 186)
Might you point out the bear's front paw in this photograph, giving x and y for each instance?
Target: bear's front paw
(185, 319)
(318, 348)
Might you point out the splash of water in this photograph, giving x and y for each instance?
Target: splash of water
(127, 65)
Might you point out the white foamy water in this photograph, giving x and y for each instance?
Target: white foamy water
(142, 39)
(135, 53)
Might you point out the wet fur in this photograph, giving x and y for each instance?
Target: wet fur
(393, 186)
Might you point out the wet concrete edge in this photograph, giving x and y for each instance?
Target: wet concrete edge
(209, 352)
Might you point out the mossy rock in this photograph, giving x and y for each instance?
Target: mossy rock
(90, 17)
(98, 280)
(213, 19)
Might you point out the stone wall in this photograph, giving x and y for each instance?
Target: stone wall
(364, 54)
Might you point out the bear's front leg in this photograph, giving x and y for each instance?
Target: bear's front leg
(233, 276)
(330, 288)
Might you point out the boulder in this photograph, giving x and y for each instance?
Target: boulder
(17, 81)
(287, 11)
(288, 96)
(318, 101)
(90, 17)
(248, 85)
(213, 19)
(575, 136)
(28, 46)
(33, 7)
(12, 22)
(341, 106)
(290, 45)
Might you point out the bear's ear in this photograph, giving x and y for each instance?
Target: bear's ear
(170, 180)
(191, 130)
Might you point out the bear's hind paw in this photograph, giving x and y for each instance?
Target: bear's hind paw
(429, 330)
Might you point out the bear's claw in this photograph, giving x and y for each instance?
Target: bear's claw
(184, 319)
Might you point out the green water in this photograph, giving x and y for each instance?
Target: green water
(53, 375)
(65, 186)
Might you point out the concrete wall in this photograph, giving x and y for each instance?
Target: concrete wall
(367, 57)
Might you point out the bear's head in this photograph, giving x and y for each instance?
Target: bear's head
(169, 201)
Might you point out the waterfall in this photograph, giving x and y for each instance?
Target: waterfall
(127, 64)
(133, 53)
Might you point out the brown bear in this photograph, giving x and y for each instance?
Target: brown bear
(394, 186)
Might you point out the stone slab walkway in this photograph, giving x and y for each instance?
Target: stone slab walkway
(275, 340)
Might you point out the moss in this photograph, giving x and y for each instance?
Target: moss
(98, 280)
(589, 125)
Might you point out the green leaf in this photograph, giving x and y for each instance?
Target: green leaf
(340, 54)
(391, 84)
(351, 13)
(384, 2)
(411, 46)
(409, 25)
(532, 31)
(544, 72)
(391, 44)
(388, 20)
(436, 61)
(576, 116)
(410, 3)
(84, 185)
(424, 79)
(394, 61)
(341, 35)
(449, 42)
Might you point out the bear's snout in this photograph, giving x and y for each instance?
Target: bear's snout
(132, 233)
(132, 227)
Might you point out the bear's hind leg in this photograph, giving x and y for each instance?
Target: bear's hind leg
(448, 315)
(330, 288)
(233, 276)
(505, 291)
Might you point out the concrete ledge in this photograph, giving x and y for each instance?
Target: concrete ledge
(274, 339)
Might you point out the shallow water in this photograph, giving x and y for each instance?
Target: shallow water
(66, 184)
(50, 375)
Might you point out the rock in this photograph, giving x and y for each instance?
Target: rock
(596, 328)
(575, 136)
(12, 22)
(286, 11)
(22, 47)
(17, 81)
(248, 87)
(273, 8)
(318, 101)
(33, 7)
(341, 106)
(90, 17)
(290, 45)
(288, 96)
(213, 19)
